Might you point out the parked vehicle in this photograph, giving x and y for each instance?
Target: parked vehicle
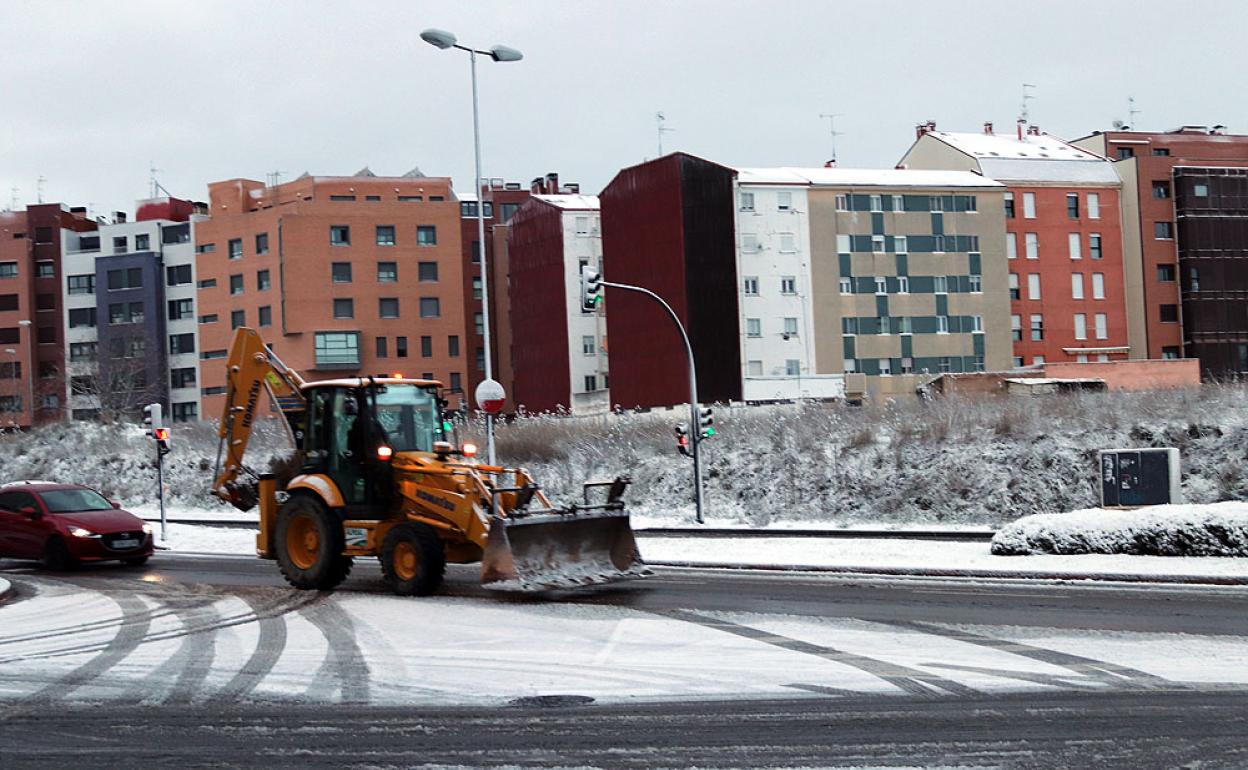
(64, 525)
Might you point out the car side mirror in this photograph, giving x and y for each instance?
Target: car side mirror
(30, 511)
(115, 503)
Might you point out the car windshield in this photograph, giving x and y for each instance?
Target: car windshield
(409, 416)
(74, 500)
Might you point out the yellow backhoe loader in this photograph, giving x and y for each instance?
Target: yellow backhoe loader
(379, 475)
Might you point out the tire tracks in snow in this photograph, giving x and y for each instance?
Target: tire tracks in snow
(344, 668)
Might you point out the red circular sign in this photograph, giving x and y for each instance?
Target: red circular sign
(490, 396)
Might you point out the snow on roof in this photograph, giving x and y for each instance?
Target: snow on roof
(571, 201)
(1035, 147)
(863, 177)
(1070, 171)
(1054, 380)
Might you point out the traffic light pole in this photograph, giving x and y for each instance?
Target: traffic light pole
(695, 434)
(160, 493)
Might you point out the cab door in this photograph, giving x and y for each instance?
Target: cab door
(331, 432)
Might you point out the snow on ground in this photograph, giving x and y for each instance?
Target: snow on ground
(1218, 529)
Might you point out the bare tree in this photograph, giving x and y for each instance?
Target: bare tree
(117, 381)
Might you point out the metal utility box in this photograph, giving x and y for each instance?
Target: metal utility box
(1131, 477)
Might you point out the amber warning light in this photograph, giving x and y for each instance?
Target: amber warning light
(469, 450)
(384, 452)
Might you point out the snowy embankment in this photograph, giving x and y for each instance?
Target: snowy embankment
(1220, 529)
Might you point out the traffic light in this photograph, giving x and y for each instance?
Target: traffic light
(153, 419)
(706, 422)
(162, 440)
(682, 439)
(591, 289)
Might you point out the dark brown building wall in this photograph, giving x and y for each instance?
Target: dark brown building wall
(667, 226)
(539, 312)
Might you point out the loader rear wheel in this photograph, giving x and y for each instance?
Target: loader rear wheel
(412, 559)
(310, 544)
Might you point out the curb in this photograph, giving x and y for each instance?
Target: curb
(1104, 577)
(6, 588)
(967, 536)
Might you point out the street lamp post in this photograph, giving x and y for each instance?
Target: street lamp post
(444, 40)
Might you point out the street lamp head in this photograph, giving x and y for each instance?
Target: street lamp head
(438, 37)
(503, 53)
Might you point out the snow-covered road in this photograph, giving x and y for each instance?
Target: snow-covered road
(157, 642)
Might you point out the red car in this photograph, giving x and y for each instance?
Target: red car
(67, 524)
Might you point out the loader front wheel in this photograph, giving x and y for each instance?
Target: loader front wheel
(412, 559)
(310, 544)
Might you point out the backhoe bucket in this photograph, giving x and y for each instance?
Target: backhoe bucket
(546, 551)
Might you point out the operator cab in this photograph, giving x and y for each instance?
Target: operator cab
(355, 426)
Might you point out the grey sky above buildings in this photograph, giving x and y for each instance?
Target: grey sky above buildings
(94, 93)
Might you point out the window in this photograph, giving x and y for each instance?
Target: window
(1073, 240)
(1033, 286)
(1102, 326)
(1125, 153)
(457, 382)
(1037, 328)
(340, 272)
(886, 367)
(1098, 286)
(977, 284)
(1076, 285)
(81, 318)
(426, 235)
(344, 308)
(907, 366)
(185, 411)
(900, 245)
(977, 323)
(582, 225)
(1161, 150)
(508, 211)
(238, 318)
(43, 301)
(877, 244)
(788, 285)
(476, 287)
(942, 324)
(1165, 273)
(426, 347)
(843, 244)
(430, 307)
(790, 327)
(236, 248)
(262, 280)
(211, 318)
(1081, 326)
(119, 244)
(842, 203)
(754, 368)
(452, 346)
(847, 286)
(1014, 291)
(1161, 189)
(1199, 191)
(747, 201)
(337, 348)
(1163, 231)
(411, 198)
(181, 309)
(428, 272)
(749, 286)
(1011, 246)
(940, 284)
(1072, 205)
(387, 272)
(8, 302)
(388, 307)
(881, 285)
(1032, 242)
(264, 316)
(784, 201)
(877, 204)
(793, 368)
(400, 347)
(8, 269)
(142, 242)
(1094, 206)
(342, 197)
(1009, 205)
(851, 365)
(478, 320)
(753, 327)
(175, 275)
(1169, 314)
(385, 235)
(903, 284)
(262, 243)
(181, 343)
(1170, 352)
(788, 244)
(82, 351)
(1094, 245)
(339, 235)
(129, 278)
(380, 345)
(591, 382)
(936, 203)
(749, 243)
(81, 284)
(205, 248)
(207, 283)
(1018, 362)
(125, 313)
(1029, 205)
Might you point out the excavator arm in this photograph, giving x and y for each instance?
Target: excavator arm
(251, 367)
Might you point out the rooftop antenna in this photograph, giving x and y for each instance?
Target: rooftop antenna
(39, 188)
(1027, 96)
(273, 178)
(659, 118)
(831, 117)
(13, 199)
(1131, 112)
(157, 187)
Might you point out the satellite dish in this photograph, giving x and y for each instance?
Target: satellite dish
(1119, 125)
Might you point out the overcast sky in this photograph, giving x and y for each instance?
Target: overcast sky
(95, 92)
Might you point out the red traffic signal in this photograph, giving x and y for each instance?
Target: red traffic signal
(682, 439)
(162, 439)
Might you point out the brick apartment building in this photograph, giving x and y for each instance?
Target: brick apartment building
(1168, 318)
(32, 327)
(1063, 238)
(343, 276)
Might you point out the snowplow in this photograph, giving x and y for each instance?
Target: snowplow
(377, 473)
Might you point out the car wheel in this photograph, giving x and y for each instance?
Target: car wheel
(56, 556)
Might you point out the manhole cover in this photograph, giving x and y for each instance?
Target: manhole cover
(550, 701)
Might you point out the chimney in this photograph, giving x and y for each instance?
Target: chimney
(119, 217)
(1021, 123)
(988, 127)
(552, 182)
(830, 163)
(926, 127)
(1033, 130)
(573, 188)
(537, 186)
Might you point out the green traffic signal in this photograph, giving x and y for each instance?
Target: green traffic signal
(446, 427)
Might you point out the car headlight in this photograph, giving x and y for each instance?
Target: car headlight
(80, 532)
(147, 528)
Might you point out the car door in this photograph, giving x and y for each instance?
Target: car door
(8, 523)
(29, 533)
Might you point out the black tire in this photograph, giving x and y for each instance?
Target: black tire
(408, 541)
(136, 561)
(321, 568)
(56, 556)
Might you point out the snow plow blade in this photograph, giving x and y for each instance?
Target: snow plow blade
(546, 551)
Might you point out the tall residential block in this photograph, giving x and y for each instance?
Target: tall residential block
(32, 325)
(128, 287)
(1169, 318)
(559, 350)
(1063, 238)
(350, 276)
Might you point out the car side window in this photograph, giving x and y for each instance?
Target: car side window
(23, 500)
(7, 501)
